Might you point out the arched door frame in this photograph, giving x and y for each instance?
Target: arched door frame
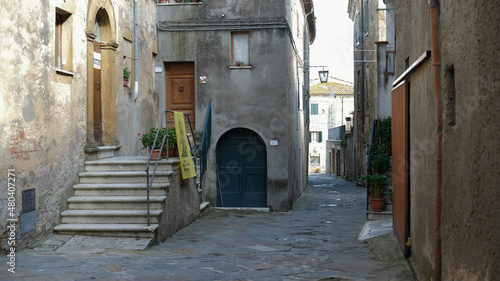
(103, 11)
(251, 196)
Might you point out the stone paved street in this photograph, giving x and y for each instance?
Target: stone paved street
(317, 240)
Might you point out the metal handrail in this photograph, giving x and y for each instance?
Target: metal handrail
(205, 144)
(165, 137)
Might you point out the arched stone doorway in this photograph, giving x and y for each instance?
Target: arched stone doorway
(242, 169)
(101, 74)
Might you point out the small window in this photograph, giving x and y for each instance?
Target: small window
(240, 51)
(63, 41)
(390, 62)
(316, 136)
(367, 17)
(357, 28)
(314, 109)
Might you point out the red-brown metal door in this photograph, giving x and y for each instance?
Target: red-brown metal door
(400, 165)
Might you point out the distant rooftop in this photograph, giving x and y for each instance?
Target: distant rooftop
(334, 86)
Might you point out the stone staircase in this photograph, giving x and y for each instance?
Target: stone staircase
(110, 199)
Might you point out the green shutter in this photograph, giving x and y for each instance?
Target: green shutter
(310, 136)
(320, 136)
(314, 109)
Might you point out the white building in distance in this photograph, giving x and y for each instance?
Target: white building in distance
(332, 105)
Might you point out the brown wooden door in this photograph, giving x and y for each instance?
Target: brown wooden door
(180, 90)
(97, 95)
(337, 154)
(400, 165)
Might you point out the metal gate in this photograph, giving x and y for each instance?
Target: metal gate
(400, 164)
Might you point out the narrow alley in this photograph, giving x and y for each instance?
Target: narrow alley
(317, 240)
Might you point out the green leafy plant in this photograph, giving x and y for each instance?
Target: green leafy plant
(172, 137)
(383, 133)
(388, 194)
(377, 183)
(148, 138)
(126, 73)
(379, 161)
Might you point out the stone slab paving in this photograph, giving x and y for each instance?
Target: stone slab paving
(317, 240)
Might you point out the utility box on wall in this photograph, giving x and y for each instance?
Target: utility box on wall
(28, 212)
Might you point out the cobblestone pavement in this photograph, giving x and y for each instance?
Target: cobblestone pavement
(317, 240)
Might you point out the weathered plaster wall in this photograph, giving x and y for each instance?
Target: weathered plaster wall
(416, 28)
(469, 44)
(42, 113)
(182, 206)
(133, 115)
(260, 98)
(469, 89)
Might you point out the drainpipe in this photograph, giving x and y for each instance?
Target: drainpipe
(435, 11)
(136, 54)
(362, 87)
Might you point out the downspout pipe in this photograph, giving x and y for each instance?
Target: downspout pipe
(362, 87)
(136, 53)
(435, 12)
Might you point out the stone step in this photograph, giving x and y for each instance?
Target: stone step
(120, 189)
(109, 216)
(115, 202)
(106, 151)
(129, 164)
(108, 230)
(122, 177)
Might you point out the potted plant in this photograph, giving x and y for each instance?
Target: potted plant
(148, 139)
(172, 142)
(126, 76)
(377, 185)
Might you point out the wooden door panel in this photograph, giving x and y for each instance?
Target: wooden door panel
(98, 132)
(181, 89)
(400, 165)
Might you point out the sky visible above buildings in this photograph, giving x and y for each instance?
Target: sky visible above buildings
(333, 46)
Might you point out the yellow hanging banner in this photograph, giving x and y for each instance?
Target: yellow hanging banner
(186, 165)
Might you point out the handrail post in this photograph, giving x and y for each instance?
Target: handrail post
(204, 146)
(148, 184)
(194, 140)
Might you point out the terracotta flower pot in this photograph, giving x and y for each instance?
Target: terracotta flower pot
(155, 155)
(173, 151)
(378, 204)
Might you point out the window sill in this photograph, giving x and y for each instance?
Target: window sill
(64, 72)
(240, 67)
(176, 4)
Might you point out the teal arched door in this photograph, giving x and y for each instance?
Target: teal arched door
(242, 170)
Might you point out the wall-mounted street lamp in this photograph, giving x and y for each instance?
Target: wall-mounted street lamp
(323, 76)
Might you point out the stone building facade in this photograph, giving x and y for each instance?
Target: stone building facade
(447, 59)
(332, 105)
(51, 97)
(250, 61)
(373, 71)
